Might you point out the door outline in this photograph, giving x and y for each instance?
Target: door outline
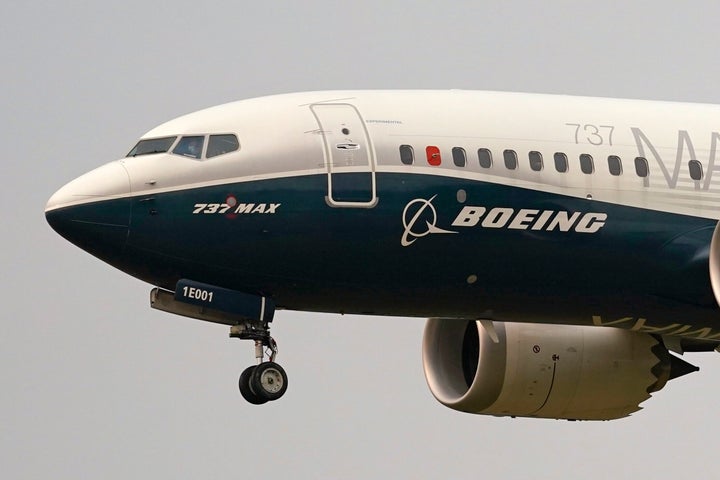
(346, 146)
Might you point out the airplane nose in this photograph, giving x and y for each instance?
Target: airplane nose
(93, 211)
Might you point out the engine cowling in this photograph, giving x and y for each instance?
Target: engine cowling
(714, 262)
(546, 371)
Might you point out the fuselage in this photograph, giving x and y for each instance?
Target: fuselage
(454, 204)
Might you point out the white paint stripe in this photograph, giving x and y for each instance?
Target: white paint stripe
(656, 199)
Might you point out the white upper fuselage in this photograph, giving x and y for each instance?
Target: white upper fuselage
(279, 136)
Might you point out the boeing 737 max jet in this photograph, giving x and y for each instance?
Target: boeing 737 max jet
(561, 247)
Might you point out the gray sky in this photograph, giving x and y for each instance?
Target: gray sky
(95, 384)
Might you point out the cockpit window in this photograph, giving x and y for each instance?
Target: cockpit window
(190, 147)
(220, 144)
(153, 145)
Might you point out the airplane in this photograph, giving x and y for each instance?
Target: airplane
(564, 250)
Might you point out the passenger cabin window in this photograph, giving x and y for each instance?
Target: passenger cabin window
(190, 147)
(221, 144)
(586, 164)
(536, 161)
(459, 157)
(561, 162)
(484, 157)
(153, 145)
(641, 167)
(511, 161)
(407, 156)
(696, 171)
(614, 165)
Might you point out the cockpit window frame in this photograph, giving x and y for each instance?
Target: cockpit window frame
(181, 150)
(207, 151)
(172, 140)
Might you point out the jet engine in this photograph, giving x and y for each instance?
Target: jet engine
(547, 371)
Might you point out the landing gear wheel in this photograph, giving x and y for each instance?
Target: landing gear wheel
(246, 389)
(269, 381)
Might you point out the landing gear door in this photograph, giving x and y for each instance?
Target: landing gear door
(349, 156)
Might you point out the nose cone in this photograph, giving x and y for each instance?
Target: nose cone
(93, 211)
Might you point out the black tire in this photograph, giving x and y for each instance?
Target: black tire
(269, 381)
(246, 389)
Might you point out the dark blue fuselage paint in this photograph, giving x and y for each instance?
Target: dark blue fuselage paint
(280, 238)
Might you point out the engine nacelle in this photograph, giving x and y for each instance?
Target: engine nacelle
(714, 262)
(546, 371)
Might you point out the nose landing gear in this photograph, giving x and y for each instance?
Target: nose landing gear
(249, 317)
(266, 381)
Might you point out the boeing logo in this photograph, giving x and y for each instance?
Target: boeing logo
(415, 210)
(420, 209)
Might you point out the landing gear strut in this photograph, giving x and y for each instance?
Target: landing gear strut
(266, 381)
